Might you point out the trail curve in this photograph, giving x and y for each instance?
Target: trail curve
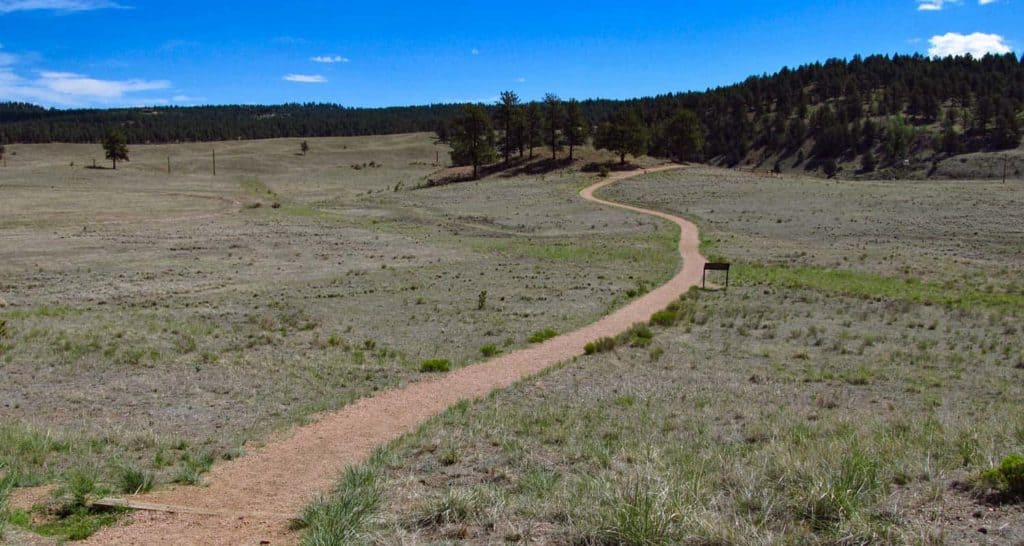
(249, 500)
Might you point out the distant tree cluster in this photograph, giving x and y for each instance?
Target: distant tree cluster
(26, 123)
(558, 124)
(881, 110)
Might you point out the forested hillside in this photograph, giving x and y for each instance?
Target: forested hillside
(873, 110)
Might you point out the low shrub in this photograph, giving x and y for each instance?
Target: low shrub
(543, 335)
(1008, 477)
(664, 318)
(132, 480)
(603, 345)
(436, 365)
(639, 335)
(489, 350)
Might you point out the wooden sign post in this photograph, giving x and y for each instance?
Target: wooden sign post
(712, 266)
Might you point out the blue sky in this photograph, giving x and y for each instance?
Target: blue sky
(72, 53)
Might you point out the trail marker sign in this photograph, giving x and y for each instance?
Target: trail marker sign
(714, 266)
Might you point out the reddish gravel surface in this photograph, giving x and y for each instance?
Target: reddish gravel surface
(249, 500)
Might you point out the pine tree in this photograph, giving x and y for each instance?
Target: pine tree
(519, 129)
(683, 137)
(1006, 134)
(472, 138)
(532, 126)
(868, 163)
(508, 103)
(553, 116)
(576, 128)
(115, 144)
(899, 136)
(624, 134)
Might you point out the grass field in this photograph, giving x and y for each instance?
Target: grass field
(157, 322)
(861, 374)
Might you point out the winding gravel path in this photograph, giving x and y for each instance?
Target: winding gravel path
(249, 500)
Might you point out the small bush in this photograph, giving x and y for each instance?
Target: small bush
(489, 350)
(639, 335)
(1008, 477)
(481, 301)
(664, 318)
(603, 345)
(193, 467)
(78, 486)
(437, 365)
(132, 480)
(543, 335)
(604, 171)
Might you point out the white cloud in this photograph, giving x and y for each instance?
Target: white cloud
(520, 79)
(69, 89)
(937, 5)
(305, 78)
(930, 5)
(474, 52)
(976, 44)
(329, 59)
(10, 6)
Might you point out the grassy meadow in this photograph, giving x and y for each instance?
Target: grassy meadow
(154, 323)
(856, 384)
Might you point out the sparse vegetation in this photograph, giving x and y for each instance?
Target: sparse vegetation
(264, 351)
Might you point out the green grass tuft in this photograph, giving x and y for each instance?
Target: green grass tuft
(342, 517)
(489, 350)
(437, 365)
(543, 335)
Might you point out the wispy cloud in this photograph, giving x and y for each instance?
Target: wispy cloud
(70, 89)
(329, 59)
(7, 58)
(474, 52)
(11, 6)
(520, 79)
(937, 5)
(976, 44)
(930, 5)
(305, 78)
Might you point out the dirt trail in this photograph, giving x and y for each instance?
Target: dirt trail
(249, 500)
